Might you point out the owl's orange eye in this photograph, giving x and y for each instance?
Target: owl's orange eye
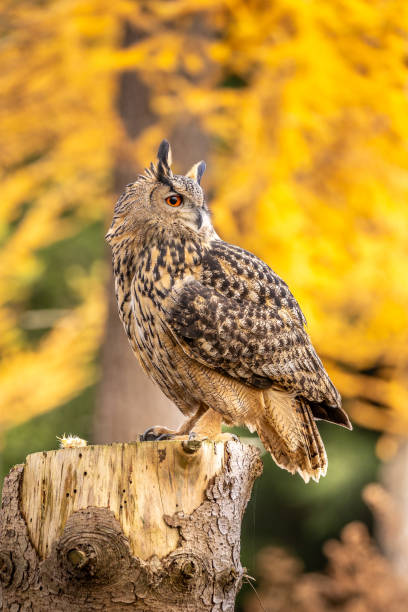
(174, 200)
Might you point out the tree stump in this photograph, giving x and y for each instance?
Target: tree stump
(139, 526)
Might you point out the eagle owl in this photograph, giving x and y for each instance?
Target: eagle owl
(213, 325)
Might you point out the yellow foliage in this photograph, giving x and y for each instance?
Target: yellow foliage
(57, 128)
(305, 104)
(33, 382)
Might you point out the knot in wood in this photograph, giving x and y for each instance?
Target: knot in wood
(92, 548)
(6, 568)
(83, 558)
(77, 557)
(186, 571)
(191, 446)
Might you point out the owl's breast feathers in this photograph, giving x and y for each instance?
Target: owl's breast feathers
(236, 316)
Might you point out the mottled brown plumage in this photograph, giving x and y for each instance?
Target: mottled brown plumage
(213, 325)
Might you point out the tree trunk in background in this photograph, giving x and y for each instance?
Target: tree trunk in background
(393, 519)
(128, 401)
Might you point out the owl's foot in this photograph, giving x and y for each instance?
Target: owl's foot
(191, 441)
(153, 434)
(157, 433)
(219, 437)
(195, 440)
(204, 425)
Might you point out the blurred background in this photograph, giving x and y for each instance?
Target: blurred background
(300, 110)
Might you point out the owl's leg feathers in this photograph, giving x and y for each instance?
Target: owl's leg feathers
(208, 426)
(288, 431)
(163, 433)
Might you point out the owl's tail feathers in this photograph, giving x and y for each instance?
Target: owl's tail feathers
(289, 432)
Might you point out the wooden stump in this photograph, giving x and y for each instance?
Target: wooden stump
(140, 526)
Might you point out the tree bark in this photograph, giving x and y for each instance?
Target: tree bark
(144, 526)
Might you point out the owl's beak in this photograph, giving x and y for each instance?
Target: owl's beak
(199, 218)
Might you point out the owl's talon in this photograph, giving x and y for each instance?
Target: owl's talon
(165, 436)
(195, 436)
(145, 436)
(152, 434)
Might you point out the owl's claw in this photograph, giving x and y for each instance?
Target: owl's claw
(193, 436)
(152, 434)
(147, 435)
(165, 436)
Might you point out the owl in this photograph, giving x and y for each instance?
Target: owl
(214, 326)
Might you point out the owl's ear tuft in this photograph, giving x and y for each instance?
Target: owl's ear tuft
(164, 157)
(197, 171)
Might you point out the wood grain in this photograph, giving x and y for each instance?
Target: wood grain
(139, 482)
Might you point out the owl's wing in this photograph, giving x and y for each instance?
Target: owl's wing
(261, 344)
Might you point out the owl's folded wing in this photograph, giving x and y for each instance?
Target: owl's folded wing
(258, 344)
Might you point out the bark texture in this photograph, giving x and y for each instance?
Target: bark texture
(91, 563)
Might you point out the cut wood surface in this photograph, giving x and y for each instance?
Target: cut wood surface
(142, 526)
(139, 483)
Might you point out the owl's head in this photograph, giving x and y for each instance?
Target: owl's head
(161, 200)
